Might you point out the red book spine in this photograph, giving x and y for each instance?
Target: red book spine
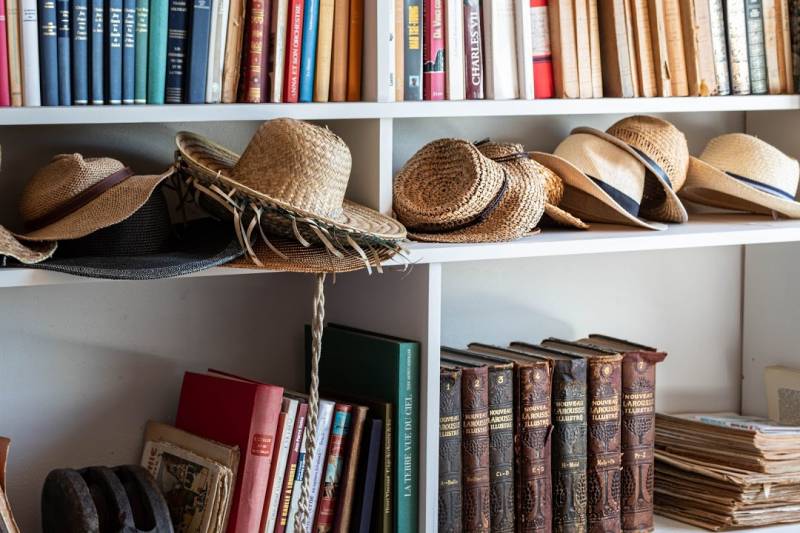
(253, 65)
(294, 42)
(433, 67)
(5, 88)
(540, 44)
(291, 468)
(473, 49)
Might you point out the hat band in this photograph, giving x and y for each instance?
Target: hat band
(763, 187)
(627, 203)
(654, 167)
(80, 200)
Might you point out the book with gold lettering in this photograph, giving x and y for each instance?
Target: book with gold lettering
(449, 448)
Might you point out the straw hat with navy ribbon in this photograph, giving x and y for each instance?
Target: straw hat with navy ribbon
(740, 172)
(663, 150)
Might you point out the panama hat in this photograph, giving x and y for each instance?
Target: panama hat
(451, 192)
(604, 183)
(663, 150)
(739, 171)
(514, 157)
(289, 185)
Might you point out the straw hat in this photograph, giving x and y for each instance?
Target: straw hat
(604, 183)
(514, 157)
(73, 196)
(663, 150)
(24, 252)
(738, 171)
(289, 184)
(450, 192)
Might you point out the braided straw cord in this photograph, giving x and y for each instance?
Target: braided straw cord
(303, 513)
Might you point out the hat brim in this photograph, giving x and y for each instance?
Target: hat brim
(203, 244)
(562, 218)
(671, 209)
(711, 186)
(26, 253)
(214, 164)
(585, 199)
(113, 206)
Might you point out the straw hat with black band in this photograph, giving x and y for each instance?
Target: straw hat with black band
(740, 172)
(663, 150)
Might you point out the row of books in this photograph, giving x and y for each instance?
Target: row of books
(236, 458)
(557, 435)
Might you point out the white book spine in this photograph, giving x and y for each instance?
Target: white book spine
(29, 27)
(500, 47)
(280, 11)
(737, 47)
(378, 69)
(454, 50)
(325, 420)
(216, 51)
(522, 16)
(282, 457)
(720, 47)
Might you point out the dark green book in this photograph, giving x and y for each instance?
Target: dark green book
(384, 368)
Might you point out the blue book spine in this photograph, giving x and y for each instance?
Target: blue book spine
(308, 56)
(114, 64)
(128, 50)
(80, 52)
(63, 47)
(177, 33)
(198, 52)
(142, 22)
(48, 52)
(98, 52)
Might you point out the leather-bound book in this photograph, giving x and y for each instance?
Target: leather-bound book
(618, 80)
(344, 510)
(638, 429)
(562, 47)
(255, 50)
(450, 449)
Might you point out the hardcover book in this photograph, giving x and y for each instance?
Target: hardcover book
(254, 49)
(580, 9)
(140, 66)
(379, 80)
(48, 52)
(64, 53)
(412, 60)
(676, 54)
(618, 80)
(719, 46)
(197, 57)
(114, 49)
(31, 88)
(280, 453)
(522, 18)
(540, 43)
(233, 51)
(399, 41)
(80, 52)
(643, 43)
(594, 43)
(177, 43)
(771, 32)
(217, 41)
(354, 50)
(631, 49)
(473, 50)
(14, 52)
(698, 47)
(352, 462)
(294, 42)
(157, 51)
(454, 50)
(737, 46)
(785, 48)
(277, 36)
(340, 55)
(318, 463)
(98, 52)
(289, 475)
(658, 32)
(332, 469)
(367, 478)
(322, 74)
(500, 50)
(308, 54)
(563, 48)
(433, 67)
(5, 88)
(756, 55)
(450, 502)
(128, 51)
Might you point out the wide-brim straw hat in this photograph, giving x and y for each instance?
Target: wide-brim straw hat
(26, 252)
(514, 157)
(740, 172)
(73, 196)
(604, 183)
(663, 150)
(450, 192)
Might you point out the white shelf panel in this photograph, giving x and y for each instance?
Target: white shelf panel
(666, 525)
(373, 110)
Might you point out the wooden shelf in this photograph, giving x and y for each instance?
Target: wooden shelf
(375, 110)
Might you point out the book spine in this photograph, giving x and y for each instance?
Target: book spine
(631, 47)
(280, 10)
(540, 44)
(347, 490)
(354, 50)
(322, 74)
(140, 66)
(562, 46)
(705, 48)
(5, 87)
(756, 56)
(294, 42)
(454, 50)
(31, 88)
(80, 52)
(291, 468)
(399, 49)
(786, 45)
(522, 20)
(233, 51)
(644, 48)
(594, 43)
(500, 50)
(534, 430)
(433, 67)
(675, 50)
(379, 68)
(114, 56)
(719, 46)
(317, 461)
(382, 516)
(737, 46)
(363, 518)
(98, 52)
(333, 466)
(302, 464)
(280, 455)
(216, 51)
(14, 52)
(197, 58)
(638, 436)
(794, 30)
(580, 11)
(177, 43)
(569, 446)
(308, 55)
(771, 47)
(691, 47)
(475, 448)
(473, 50)
(265, 52)
(48, 52)
(406, 464)
(128, 51)
(501, 447)
(450, 449)
(412, 52)
(618, 80)
(605, 443)
(157, 51)
(63, 47)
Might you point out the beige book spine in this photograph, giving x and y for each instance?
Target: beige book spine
(675, 49)
(786, 45)
(631, 48)
(233, 52)
(562, 44)
(341, 39)
(322, 74)
(642, 40)
(594, 43)
(774, 85)
(705, 47)
(14, 52)
(658, 35)
(582, 43)
(617, 78)
(399, 51)
(737, 46)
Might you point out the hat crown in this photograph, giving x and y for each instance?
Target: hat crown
(553, 185)
(62, 179)
(297, 163)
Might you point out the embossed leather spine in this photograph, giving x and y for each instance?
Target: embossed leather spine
(450, 449)
(475, 449)
(638, 436)
(501, 447)
(534, 429)
(604, 381)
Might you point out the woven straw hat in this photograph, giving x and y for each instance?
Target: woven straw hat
(24, 252)
(73, 196)
(450, 192)
(604, 183)
(738, 171)
(663, 150)
(514, 157)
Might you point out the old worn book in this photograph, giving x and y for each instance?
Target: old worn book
(737, 46)
(500, 50)
(658, 33)
(450, 502)
(341, 41)
(347, 491)
(794, 29)
(676, 54)
(783, 394)
(594, 50)
(698, 47)
(720, 46)
(631, 48)
(563, 50)
(233, 51)
(756, 54)
(7, 522)
(583, 43)
(771, 33)
(784, 15)
(642, 40)
(618, 78)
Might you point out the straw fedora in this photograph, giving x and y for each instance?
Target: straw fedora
(738, 171)
(73, 196)
(514, 157)
(604, 183)
(288, 187)
(450, 192)
(25, 252)
(663, 150)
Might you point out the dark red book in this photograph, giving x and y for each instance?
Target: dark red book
(473, 50)
(294, 44)
(433, 68)
(236, 412)
(540, 44)
(255, 52)
(291, 467)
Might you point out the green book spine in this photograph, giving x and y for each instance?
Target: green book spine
(407, 440)
(140, 63)
(157, 51)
